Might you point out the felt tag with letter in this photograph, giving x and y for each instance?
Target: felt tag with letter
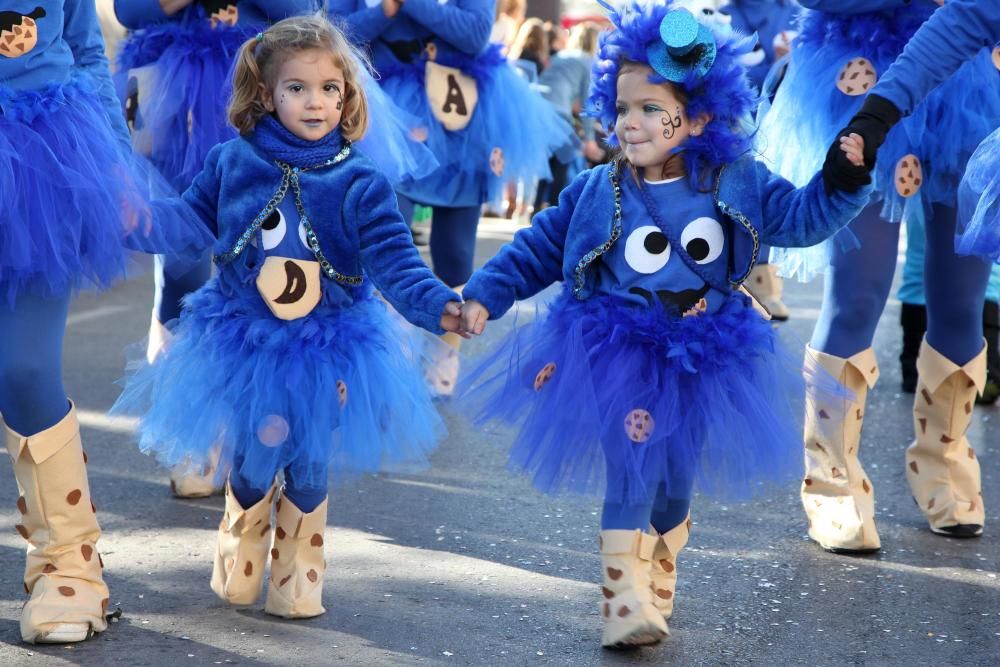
(452, 95)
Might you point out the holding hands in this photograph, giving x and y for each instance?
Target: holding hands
(465, 319)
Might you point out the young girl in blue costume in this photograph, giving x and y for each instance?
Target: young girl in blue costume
(842, 49)
(653, 369)
(286, 359)
(66, 183)
(480, 119)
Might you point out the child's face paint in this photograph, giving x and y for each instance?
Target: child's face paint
(309, 94)
(651, 120)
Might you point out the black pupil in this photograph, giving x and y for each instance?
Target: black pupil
(655, 243)
(272, 221)
(698, 249)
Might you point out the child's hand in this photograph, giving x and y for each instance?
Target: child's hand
(474, 316)
(853, 146)
(391, 7)
(451, 319)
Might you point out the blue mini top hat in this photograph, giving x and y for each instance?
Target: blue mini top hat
(684, 46)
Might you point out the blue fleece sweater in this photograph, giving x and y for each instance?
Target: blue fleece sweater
(457, 27)
(48, 40)
(136, 14)
(351, 206)
(565, 241)
(952, 35)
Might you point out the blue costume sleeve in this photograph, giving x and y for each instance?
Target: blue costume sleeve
(466, 27)
(952, 35)
(276, 10)
(184, 226)
(83, 35)
(532, 261)
(390, 259)
(853, 6)
(364, 24)
(136, 14)
(803, 217)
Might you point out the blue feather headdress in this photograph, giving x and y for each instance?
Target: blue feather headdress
(723, 91)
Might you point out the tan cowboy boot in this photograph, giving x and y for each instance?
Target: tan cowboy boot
(190, 481)
(767, 286)
(836, 493)
(941, 465)
(241, 552)
(295, 589)
(63, 572)
(663, 573)
(630, 618)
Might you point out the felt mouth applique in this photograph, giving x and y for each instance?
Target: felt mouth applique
(290, 287)
(682, 301)
(19, 32)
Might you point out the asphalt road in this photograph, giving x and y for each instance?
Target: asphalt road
(465, 564)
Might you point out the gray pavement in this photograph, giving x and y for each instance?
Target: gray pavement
(463, 564)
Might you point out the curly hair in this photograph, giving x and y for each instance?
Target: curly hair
(724, 94)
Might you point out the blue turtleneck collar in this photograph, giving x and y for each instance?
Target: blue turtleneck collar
(274, 139)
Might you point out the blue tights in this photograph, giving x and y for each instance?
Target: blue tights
(858, 282)
(306, 498)
(174, 279)
(664, 511)
(32, 396)
(453, 239)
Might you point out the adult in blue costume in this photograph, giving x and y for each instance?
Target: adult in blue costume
(480, 119)
(837, 58)
(771, 21)
(652, 369)
(66, 181)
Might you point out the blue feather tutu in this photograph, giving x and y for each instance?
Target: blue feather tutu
(600, 385)
(72, 194)
(336, 387)
(510, 136)
(809, 109)
(979, 202)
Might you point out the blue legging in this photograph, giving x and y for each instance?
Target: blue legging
(32, 396)
(174, 279)
(663, 510)
(858, 282)
(453, 239)
(306, 498)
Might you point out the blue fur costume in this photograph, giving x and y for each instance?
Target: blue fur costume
(712, 388)
(334, 387)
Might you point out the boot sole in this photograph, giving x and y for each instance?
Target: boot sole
(963, 531)
(66, 633)
(637, 640)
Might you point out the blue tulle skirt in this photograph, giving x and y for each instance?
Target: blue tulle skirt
(979, 202)
(509, 116)
(338, 387)
(599, 385)
(68, 185)
(809, 110)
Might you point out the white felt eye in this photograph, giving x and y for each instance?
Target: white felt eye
(647, 250)
(302, 236)
(703, 240)
(273, 229)
(753, 58)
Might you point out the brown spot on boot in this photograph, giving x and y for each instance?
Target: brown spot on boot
(23, 531)
(85, 459)
(823, 414)
(968, 408)
(807, 481)
(927, 396)
(624, 611)
(667, 566)
(607, 609)
(93, 508)
(100, 560)
(284, 580)
(608, 593)
(68, 591)
(972, 505)
(312, 576)
(970, 385)
(923, 425)
(835, 472)
(615, 574)
(248, 569)
(859, 414)
(22, 505)
(263, 531)
(49, 568)
(687, 524)
(866, 486)
(316, 540)
(819, 447)
(73, 497)
(87, 551)
(104, 604)
(946, 440)
(277, 505)
(972, 453)
(664, 594)
(274, 554)
(931, 504)
(280, 533)
(914, 468)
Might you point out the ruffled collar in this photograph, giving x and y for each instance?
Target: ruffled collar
(271, 137)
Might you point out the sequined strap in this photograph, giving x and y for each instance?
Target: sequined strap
(616, 232)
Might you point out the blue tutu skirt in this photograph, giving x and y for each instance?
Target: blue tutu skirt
(509, 116)
(176, 83)
(338, 387)
(809, 109)
(600, 385)
(69, 187)
(979, 202)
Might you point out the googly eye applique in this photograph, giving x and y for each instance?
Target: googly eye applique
(647, 249)
(703, 240)
(273, 229)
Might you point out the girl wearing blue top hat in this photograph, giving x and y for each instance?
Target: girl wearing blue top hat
(842, 53)
(286, 359)
(652, 370)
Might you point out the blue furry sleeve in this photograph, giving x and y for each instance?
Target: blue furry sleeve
(953, 34)
(465, 24)
(363, 24)
(802, 217)
(529, 263)
(389, 257)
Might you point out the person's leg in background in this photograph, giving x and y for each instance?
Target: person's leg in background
(913, 308)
